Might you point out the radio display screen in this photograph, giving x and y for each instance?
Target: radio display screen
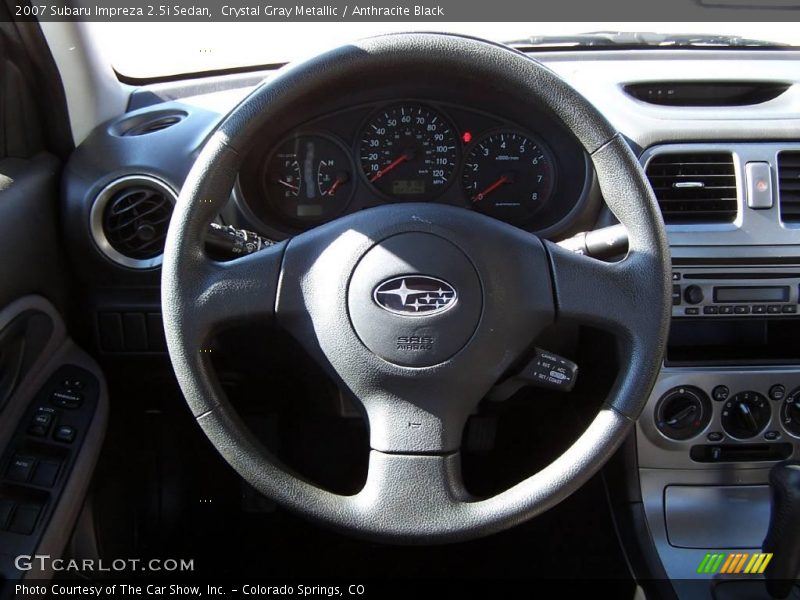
(778, 293)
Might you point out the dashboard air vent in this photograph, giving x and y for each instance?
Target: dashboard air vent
(706, 93)
(789, 186)
(144, 123)
(154, 125)
(129, 220)
(695, 187)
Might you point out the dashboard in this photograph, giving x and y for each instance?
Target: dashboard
(415, 150)
(490, 151)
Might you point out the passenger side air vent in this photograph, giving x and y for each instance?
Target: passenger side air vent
(789, 186)
(706, 93)
(697, 187)
(129, 220)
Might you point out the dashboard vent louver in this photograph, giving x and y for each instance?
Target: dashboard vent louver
(789, 186)
(129, 220)
(145, 123)
(694, 187)
(154, 125)
(136, 222)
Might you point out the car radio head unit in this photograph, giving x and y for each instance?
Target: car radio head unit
(745, 292)
(734, 316)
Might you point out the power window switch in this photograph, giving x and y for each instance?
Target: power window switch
(46, 473)
(21, 468)
(25, 518)
(6, 508)
(758, 182)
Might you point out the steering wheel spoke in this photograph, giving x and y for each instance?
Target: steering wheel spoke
(418, 487)
(240, 290)
(593, 292)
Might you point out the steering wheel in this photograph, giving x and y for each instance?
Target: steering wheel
(417, 376)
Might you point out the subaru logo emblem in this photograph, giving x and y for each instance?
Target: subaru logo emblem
(415, 295)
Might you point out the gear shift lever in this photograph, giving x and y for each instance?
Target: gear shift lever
(783, 535)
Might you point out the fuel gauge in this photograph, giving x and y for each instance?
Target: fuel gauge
(309, 179)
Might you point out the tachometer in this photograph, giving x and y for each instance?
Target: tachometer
(509, 175)
(309, 179)
(408, 152)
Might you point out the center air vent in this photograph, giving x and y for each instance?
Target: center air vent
(696, 187)
(129, 220)
(789, 186)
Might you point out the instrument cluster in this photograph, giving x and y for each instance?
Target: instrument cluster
(413, 151)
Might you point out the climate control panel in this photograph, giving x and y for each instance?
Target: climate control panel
(790, 412)
(683, 412)
(703, 418)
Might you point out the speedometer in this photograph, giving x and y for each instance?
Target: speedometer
(509, 175)
(408, 152)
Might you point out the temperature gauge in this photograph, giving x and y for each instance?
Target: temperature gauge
(308, 179)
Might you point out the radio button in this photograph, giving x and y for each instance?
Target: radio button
(726, 310)
(741, 310)
(693, 294)
(771, 436)
(714, 436)
(710, 310)
(676, 295)
(791, 308)
(692, 310)
(774, 309)
(759, 309)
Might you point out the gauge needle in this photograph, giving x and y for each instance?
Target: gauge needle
(492, 187)
(289, 185)
(340, 179)
(400, 159)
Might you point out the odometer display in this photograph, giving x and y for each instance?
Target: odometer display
(408, 152)
(509, 175)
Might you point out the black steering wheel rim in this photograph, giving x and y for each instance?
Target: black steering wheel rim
(413, 492)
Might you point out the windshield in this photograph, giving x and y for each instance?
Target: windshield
(184, 48)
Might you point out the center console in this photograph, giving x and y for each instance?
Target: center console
(726, 404)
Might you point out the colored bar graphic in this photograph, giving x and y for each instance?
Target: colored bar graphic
(767, 558)
(732, 558)
(753, 562)
(740, 564)
(734, 563)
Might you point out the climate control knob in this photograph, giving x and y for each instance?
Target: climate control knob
(790, 412)
(745, 415)
(683, 412)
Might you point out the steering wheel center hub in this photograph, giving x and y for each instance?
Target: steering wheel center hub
(415, 299)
